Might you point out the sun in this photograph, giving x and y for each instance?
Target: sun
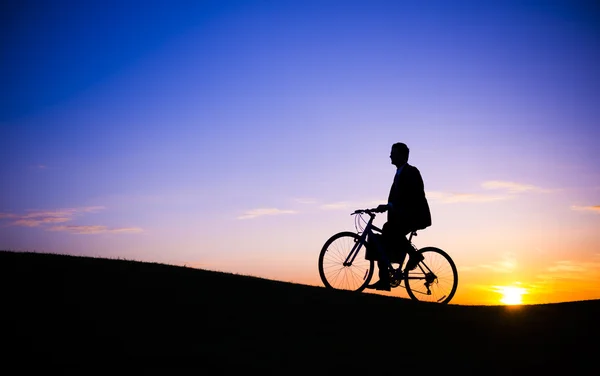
(512, 295)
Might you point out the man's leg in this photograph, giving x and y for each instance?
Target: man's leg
(414, 257)
(384, 276)
(392, 244)
(395, 239)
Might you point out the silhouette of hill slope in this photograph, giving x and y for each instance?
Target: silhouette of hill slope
(68, 311)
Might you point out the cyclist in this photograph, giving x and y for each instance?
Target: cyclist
(407, 211)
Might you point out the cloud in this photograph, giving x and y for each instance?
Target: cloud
(52, 217)
(346, 205)
(451, 198)
(508, 189)
(34, 222)
(566, 266)
(512, 187)
(306, 200)
(336, 206)
(37, 218)
(96, 229)
(255, 213)
(39, 167)
(507, 265)
(593, 208)
(573, 270)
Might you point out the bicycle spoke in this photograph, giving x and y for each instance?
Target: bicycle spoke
(332, 269)
(436, 278)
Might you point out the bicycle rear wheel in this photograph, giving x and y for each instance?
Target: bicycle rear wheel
(435, 279)
(334, 273)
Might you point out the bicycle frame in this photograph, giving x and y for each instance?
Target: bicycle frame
(368, 230)
(363, 240)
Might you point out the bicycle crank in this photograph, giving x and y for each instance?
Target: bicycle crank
(395, 278)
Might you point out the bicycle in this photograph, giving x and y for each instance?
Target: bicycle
(343, 266)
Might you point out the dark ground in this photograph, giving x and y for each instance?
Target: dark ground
(60, 312)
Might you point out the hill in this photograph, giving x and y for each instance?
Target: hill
(64, 311)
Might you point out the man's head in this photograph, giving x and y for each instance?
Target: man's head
(399, 154)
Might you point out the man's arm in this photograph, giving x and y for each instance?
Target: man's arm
(383, 207)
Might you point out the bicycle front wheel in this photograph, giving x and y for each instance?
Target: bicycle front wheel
(435, 279)
(335, 272)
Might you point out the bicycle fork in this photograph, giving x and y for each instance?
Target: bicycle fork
(352, 255)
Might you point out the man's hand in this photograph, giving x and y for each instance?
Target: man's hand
(382, 208)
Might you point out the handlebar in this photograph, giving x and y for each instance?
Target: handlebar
(371, 211)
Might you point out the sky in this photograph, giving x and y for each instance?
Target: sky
(238, 136)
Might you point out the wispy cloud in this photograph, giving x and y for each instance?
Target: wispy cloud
(336, 206)
(566, 266)
(507, 265)
(255, 213)
(507, 190)
(96, 229)
(451, 198)
(593, 208)
(50, 218)
(306, 200)
(37, 218)
(574, 270)
(347, 205)
(512, 187)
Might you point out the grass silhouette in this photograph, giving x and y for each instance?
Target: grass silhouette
(62, 311)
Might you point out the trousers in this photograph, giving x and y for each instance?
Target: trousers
(396, 246)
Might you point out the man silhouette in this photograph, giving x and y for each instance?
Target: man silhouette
(407, 211)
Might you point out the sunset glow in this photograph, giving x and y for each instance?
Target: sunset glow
(238, 136)
(512, 295)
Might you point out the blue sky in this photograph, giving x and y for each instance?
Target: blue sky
(223, 134)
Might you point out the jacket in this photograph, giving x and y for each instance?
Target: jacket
(409, 204)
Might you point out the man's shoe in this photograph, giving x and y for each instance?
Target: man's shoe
(380, 285)
(414, 260)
